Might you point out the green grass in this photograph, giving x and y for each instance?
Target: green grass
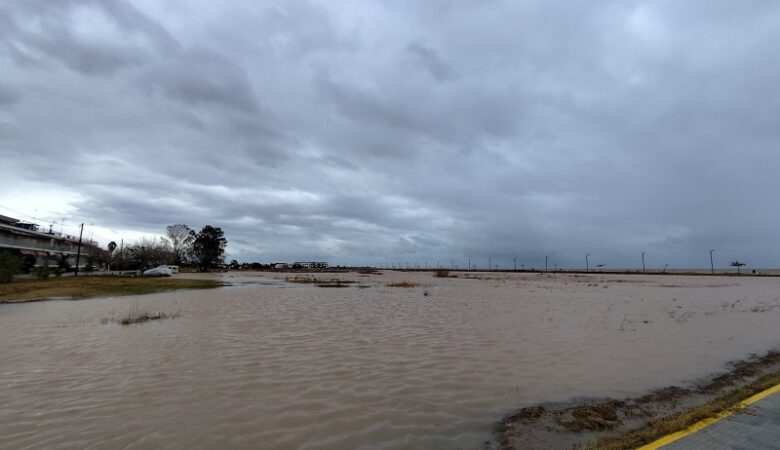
(95, 286)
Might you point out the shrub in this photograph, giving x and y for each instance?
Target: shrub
(441, 273)
(43, 273)
(9, 265)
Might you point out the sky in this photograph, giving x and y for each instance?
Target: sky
(399, 131)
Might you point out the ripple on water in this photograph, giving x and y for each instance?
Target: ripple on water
(271, 364)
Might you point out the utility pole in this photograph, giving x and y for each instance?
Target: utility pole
(587, 264)
(643, 261)
(546, 258)
(78, 252)
(712, 265)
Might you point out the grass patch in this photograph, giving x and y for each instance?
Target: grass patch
(613, 424)
(403, 284)
(95, 286)
(667, 425)
(135, 315)
(441, 273)
(145, 316)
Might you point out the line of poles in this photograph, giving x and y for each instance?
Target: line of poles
(490, 265)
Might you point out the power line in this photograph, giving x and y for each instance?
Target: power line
(38, 219)
(48, 222)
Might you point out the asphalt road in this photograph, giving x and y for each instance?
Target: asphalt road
(755, 428)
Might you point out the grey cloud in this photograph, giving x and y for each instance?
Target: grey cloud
(203, 78)
(431, 60)
(8, 95)
(407, 131)
(40, 32)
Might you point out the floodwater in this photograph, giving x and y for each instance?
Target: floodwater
(276, 365)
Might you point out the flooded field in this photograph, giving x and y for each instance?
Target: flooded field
(393, 361)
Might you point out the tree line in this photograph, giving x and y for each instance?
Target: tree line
(181, 246)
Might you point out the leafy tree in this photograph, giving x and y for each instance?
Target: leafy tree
(63, 265)
(181, 237)
(208, 247)
(28, 263)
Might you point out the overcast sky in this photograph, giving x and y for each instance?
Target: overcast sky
(402, 131)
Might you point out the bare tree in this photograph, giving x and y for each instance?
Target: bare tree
(111, 248)
(181, 237)
(150, 253)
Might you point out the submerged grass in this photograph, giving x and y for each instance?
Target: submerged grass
(320, 282)
(95, 286)
(135, 315)
(403, 284)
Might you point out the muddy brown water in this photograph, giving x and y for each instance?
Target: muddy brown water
(270, 364)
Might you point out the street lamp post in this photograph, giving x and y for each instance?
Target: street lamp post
(546, 258)
(712, 264)
(587, 264)
(515, 263)
(643, 261)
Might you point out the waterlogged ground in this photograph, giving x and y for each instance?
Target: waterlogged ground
(277, 365)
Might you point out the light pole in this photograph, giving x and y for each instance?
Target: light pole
(643, 261)
(515, 263)
(546, 258)
(587, 264)
(469, 263)
(712, 265)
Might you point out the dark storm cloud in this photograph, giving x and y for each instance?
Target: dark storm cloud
(430, 59)
(398, 132)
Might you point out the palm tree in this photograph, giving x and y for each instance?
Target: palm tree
(737, 264)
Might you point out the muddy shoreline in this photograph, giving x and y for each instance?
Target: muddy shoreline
(628, 423)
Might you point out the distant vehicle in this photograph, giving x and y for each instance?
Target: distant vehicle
(174, 269)
(159, 271)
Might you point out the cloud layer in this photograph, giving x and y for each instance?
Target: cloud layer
(400, 131)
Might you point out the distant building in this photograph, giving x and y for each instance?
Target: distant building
(280, 266)
(26, 239)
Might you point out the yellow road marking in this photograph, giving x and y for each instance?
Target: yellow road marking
(668, 439)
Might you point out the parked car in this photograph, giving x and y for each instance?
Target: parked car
(160, 271)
